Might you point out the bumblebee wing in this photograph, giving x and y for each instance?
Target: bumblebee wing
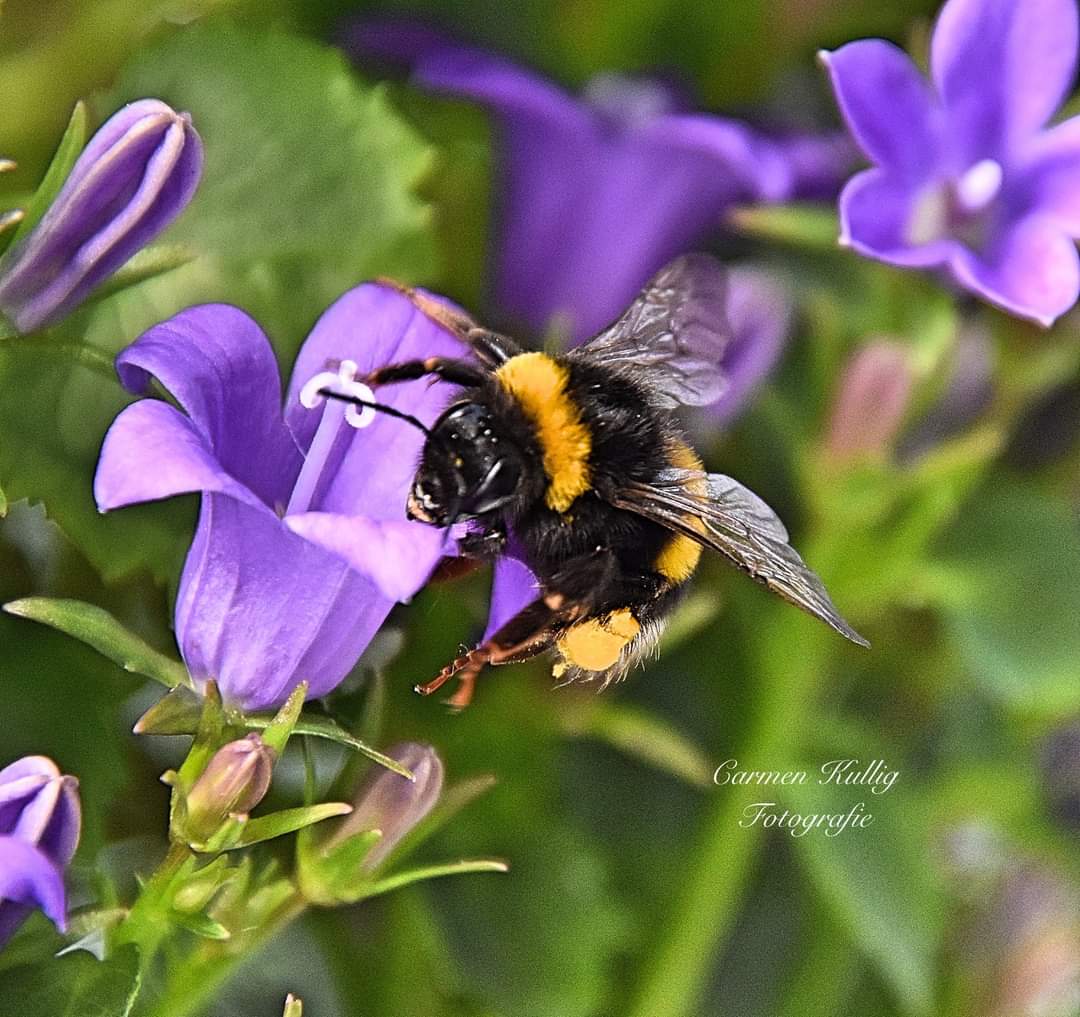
(674, 333)
(490, 348)
(720, 514)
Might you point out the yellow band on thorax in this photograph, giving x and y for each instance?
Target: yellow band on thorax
(538, 383)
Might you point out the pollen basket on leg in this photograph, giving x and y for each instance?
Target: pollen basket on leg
(538, 383)
(596, 644)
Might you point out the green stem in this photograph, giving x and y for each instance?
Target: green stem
(827, 973)
(794, 651)
(197, 979)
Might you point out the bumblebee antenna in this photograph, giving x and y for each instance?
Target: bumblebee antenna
(329, 393)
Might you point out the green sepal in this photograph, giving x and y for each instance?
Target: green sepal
(180, 711)
(276, 734)
(288, 821)
(325, 727)
(225, 837)
(294, 1006)
(97, 628)
(410, 876)
(210, 735)
(808, 226)
(202, 925)
(333, 875)
(199, 888)
(67, 153)
(176, 713)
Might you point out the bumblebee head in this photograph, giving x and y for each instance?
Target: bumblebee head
(467, 469)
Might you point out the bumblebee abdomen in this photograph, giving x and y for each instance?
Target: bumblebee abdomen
(678, 558)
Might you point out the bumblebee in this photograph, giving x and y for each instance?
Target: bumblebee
(579, 458)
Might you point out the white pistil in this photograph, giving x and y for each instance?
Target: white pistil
(979, 186)
(342, 382)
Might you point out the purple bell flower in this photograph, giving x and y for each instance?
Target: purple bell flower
(135, 176)
(40, 818)
(967, 177)
(596, 194)
(302, 545)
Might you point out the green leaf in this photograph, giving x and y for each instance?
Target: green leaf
(3, 503)
(289, 821)
(294, 1006)
(642, 735)
(67, 153)
(59, 396)
(1006, 584)
(877, 883)
(75, 985)
(99, 629)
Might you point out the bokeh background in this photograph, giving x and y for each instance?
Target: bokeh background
(950, 540)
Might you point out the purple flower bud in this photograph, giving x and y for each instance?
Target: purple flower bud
(40, 818)
(870, 406)
(388, 802)
(235, 780)
(134, 177)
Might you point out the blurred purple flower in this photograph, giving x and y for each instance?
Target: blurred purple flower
(302, 545)
(388, 802)
(134, 177)
(40, 818)
(597, 193)
(965, 176)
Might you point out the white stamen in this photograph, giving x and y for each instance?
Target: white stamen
(979, 185)
(342, 383)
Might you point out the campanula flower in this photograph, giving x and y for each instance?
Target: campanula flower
(135, 176)
(302, 545)
(967, 177)
(597, 193)
(40, 818)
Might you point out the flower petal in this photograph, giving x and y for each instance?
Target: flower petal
(219, 365)
(261, 609)
(513, 586)
(27, 877)
(397, 556)
(153, 451)
(1049, 180)
(1032, 270)
(374, 326)
(880, 217)
(759, 313)
(1002, 68)
(887, 106)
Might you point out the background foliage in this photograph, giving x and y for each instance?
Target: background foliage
(632, 889)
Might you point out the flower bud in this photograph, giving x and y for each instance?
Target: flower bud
(870, 406)
(133, 178)
(40, 818)
(235, 780)
(391, 803)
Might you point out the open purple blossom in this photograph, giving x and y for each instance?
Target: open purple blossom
(302, 545)
(967, 177)
(595, 194)
(135, 176)
(40, 817)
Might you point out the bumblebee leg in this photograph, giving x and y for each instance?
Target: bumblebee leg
(491, 349)
(525, 635)
(484, 545)
(457, 372)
